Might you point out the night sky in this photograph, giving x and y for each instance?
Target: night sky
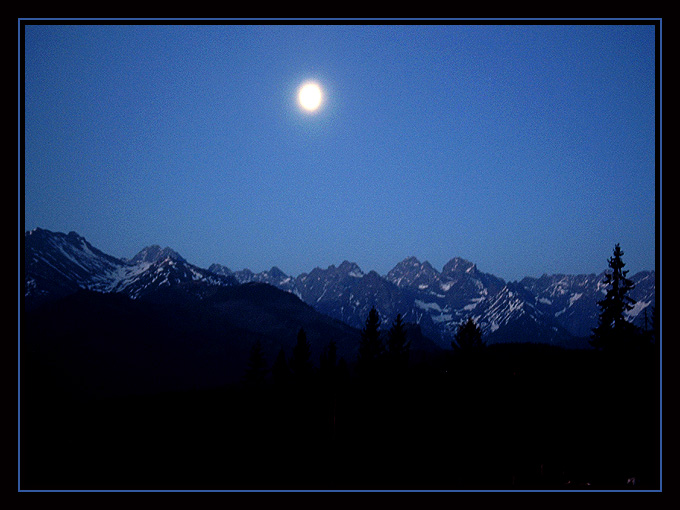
(527, 149)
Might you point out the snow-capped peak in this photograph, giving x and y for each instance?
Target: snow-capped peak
(154, 253)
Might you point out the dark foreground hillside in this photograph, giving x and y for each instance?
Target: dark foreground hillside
(516, 416)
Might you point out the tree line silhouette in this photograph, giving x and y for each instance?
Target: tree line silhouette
(516, 415)
(504, 416)
(379, 357)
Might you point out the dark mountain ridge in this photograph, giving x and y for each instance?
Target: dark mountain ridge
(106, 344)
(554, 309)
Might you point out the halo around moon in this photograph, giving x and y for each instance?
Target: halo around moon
(310, 96)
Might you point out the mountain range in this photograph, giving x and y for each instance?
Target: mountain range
(555, 309)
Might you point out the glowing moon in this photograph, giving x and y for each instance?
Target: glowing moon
(309, 96)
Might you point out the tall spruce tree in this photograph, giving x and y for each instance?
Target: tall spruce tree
(397, 346)
(300, 363)
(613, 329)
(371, 347)
(468, 338)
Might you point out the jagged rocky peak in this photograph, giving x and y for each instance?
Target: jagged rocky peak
(345, 270)
(411, 261)
(40, 234)
(350, 269)
(220, 269)
(155, 253)
(427, 266)
(411, 271)
(459, 265)
(277, 274)
(373, 275)
(406, 265)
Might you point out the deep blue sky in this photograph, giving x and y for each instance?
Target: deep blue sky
(525, 149)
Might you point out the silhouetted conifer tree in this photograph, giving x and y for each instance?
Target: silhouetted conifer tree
(468, 338)
(613, 329)
(397, 347)
(300, 363)
(371, 346)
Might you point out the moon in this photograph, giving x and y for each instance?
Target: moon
(309, 96)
